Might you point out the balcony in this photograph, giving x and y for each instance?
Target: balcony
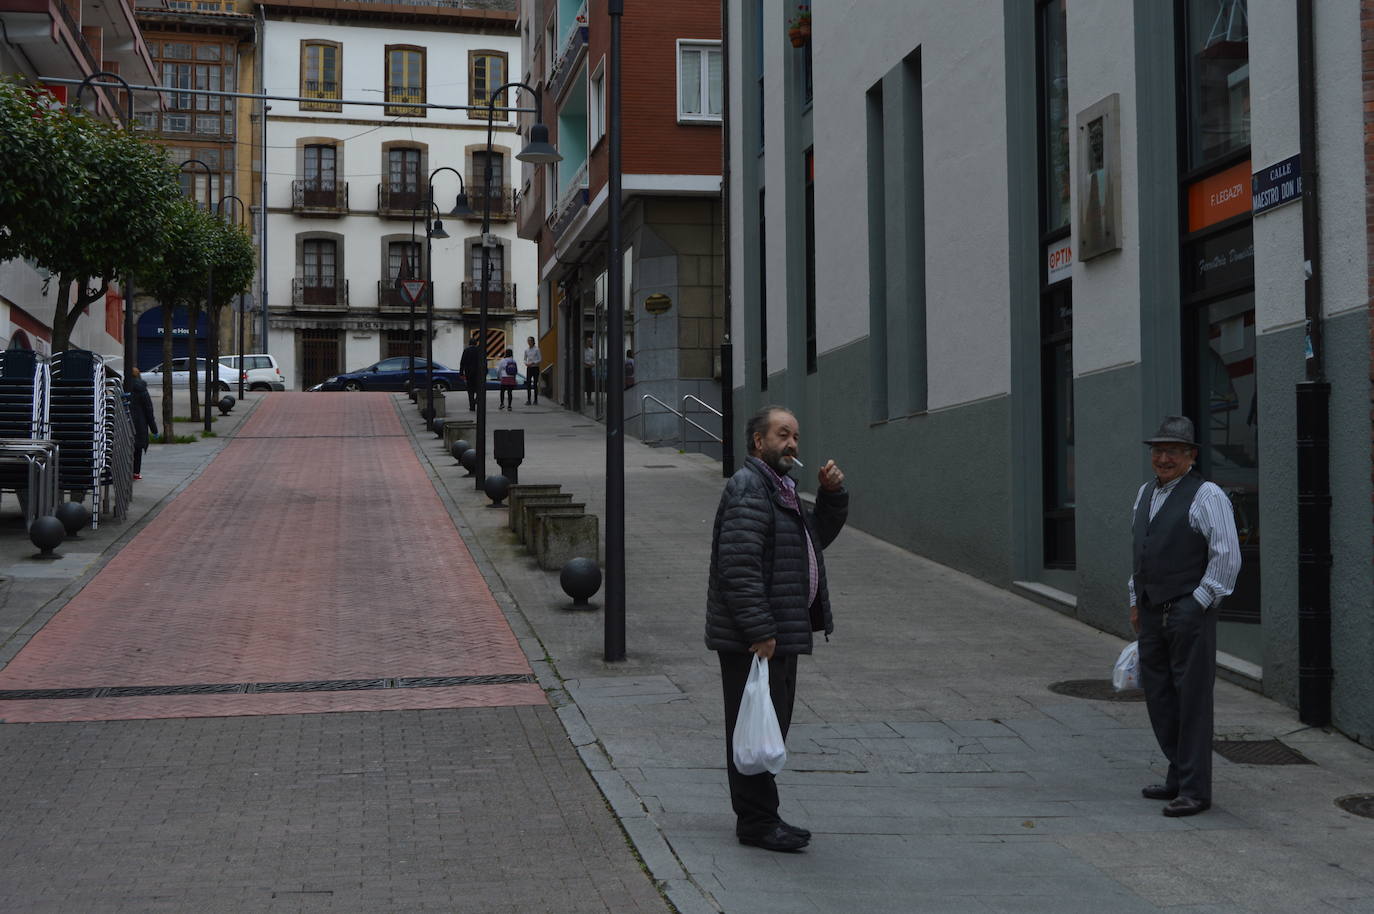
(322, 293)
(570, 204)
(401, 101)
(503, 201)
(400, 202)
(501, 300)
(326, 95)
(565, 63)
(315, 197)
(390, 299)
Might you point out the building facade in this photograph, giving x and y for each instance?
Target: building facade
(981, 252)
(672, 108)
(68, 39)
(205, 45)
(348, 184)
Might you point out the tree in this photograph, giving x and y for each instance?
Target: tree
(82, 199)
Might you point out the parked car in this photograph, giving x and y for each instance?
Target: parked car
(392, 374)
(228, 377)
(263, 373)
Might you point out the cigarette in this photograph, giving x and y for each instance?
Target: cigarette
(798, 462)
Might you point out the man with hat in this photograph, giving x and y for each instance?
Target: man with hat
(1186, 558)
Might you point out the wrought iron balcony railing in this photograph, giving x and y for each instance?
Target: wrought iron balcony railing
(401, 101)
(502, 200)
(501, 296)
(390, 298)
(325, 92)
(400, 201)
(319, 196)
(319, 293)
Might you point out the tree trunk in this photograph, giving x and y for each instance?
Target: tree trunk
(191, 315)
(168, 410)
(61, 333)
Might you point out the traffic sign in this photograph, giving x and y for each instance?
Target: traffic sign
(413, 289)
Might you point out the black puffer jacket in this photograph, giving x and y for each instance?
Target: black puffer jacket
(758, 583)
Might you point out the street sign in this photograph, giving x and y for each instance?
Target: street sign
(413, 289)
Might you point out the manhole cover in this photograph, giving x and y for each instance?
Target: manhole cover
(1095, 689)
(1360, 804)
(1258, 752)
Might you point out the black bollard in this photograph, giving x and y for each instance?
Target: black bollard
(580, 579)
(496, 487)
(508, 447)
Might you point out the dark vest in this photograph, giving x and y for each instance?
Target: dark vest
(1170, 557)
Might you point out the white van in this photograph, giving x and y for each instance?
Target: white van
(263, 373)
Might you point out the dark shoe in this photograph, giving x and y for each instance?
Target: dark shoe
(1158, 792)
(1186, 806)
(779, 839)
(797, 830)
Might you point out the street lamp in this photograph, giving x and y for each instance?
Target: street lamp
(614, 613)
(130, 344)
(243, 369)
(461, 210)
(538, 151)
(209, 293)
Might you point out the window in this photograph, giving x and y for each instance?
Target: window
(1218, 81)
(321, 167)
(486, 72)
(699, 88)
(403, 170)
(1054, 115)
(498, 266)
(319, 263)
(403, 252)
(477, 184)
(596, 106)
(405, 80)
(321, 69)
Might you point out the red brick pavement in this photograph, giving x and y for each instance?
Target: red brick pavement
(313, 547)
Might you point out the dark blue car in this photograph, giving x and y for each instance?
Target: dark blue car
(393, 374)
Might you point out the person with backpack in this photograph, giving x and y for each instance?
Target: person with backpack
(507, 370)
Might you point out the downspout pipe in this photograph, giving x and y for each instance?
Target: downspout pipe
(727, 354)
(1315, 674)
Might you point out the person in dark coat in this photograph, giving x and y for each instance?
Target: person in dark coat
(473, 364)
(766, 595)
(144, 419)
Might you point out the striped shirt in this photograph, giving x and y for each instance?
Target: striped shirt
(787, 488)
(1210, 517)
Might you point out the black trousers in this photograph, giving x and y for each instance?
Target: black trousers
(472, 396)
(754, 797)
(531, 383)
(1178, 666)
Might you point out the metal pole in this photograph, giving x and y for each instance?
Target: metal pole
(429, 308)
(243, 208)
(410, 339)
(615, 369)
(480, 471)
(243, 358)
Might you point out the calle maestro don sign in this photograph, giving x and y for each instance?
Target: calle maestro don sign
(1276, 185)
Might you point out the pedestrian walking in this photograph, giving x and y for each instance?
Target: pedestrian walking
(533, 359)
(1186, 558)
(588, 368)
(141, 412)
(508, 371)
(473, 364)
(766, 595)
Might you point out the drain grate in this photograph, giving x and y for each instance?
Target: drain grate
(659, 466)
(1359, 804)
(1258, 752)
(240, 688)
(1095, 689)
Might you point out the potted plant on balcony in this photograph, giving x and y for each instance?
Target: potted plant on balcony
(799, 26)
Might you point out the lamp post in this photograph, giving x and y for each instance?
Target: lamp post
(615, 368)
(209, 294)
(461, 210)
(407, 271)
(130, 344)
(243, 371)
(538, 151)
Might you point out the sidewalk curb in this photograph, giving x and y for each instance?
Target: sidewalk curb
(45, 611)
(641, 830)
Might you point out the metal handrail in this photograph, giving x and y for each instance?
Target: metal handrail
(686, 422)
(642, 411)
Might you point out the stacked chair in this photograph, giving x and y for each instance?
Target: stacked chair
(86, 415)
(29, 462)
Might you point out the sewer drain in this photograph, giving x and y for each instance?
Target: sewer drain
(1095, 689)
(1359, 804)
(239, 688)
(659, 466)
(1258, 752)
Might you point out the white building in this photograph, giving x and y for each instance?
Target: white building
(348, 183)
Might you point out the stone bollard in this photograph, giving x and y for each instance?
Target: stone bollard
(536, 514)
(440, 404)
(519, 492)
(455, 429)
(566, 536)
(530, 502)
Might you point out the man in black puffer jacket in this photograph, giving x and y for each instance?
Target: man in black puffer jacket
(766, 595)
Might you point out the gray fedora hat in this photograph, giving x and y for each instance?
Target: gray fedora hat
(1174, 430)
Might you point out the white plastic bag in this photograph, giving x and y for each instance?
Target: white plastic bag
(757, 738)
(1126, 673)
